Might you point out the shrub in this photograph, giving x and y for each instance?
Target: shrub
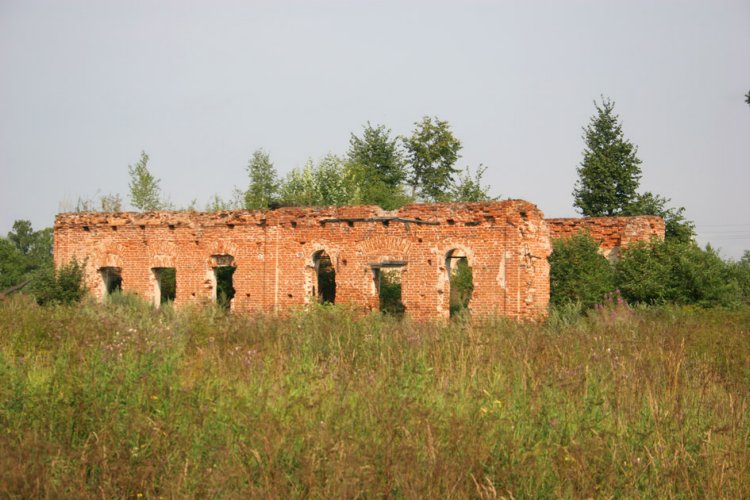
(673, 271)
(63, 286)
(578, 273)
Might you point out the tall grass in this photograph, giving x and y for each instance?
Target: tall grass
(127, 401)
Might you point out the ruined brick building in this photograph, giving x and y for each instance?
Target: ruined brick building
(275, 259)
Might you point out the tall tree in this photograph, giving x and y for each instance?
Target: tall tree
(379, 154)
(375, 166)
(432, 152)
(264, 184)
(610, 171)
(145, 194)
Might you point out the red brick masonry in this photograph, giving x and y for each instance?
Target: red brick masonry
(506, 243)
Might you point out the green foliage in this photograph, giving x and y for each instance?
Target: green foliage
(23, 253)
(673, 271)
(461, 286)
(224, 286)
(432, 152)
(389, 290)
(610, 171)
(677, 227)
(469, 188)
(62, 286)
(145, 194)
(264, 184)
(740, 272)
(131, 402)
(578, 273)
(317, 185)
(167, 277)
(378, 156)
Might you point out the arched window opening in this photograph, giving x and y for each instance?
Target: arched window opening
(224, 267)
(461, 281)
(325, 285)
(111, 280)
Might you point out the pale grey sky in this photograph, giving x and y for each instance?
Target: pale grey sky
(85, 86)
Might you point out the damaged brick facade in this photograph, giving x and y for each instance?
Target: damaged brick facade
(612, 233)
(275, 254)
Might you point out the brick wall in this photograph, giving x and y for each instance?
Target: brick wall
(506, 244)
(612, 233)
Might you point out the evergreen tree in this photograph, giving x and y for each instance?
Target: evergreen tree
(610, 172)
(264, 183)
(432, 152)
(145, 194)
(375, 167)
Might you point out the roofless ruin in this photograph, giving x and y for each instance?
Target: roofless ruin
(276, 260)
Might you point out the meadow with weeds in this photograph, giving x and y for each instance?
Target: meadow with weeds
(123, 400)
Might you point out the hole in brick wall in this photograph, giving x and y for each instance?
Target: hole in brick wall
(429, 262)
(166, 285)
(230, 226)
(450, 222)
(386, 223)
(524, 215)
(388, 283)
(224, 286)
(472, 223)
(325, 282)
(489, 218)
(461, 281)
(114, 228)
(86, 228)
(289, 295)
(419, 240)
(111, 280)
(142, 226)
(294, 223)
(224, 267)
(171, 227)
(350, 223)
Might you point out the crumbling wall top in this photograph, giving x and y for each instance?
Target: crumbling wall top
(433, 213)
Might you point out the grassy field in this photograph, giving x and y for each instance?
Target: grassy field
(126, 401)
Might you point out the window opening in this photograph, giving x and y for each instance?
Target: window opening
(461, 281)
(325, 289)
(166, 284)
(388, 280)
(224, 268)
(224, 286)
(112, 280)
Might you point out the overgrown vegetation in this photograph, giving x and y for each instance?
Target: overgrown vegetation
(125, 400)
(656, 272)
